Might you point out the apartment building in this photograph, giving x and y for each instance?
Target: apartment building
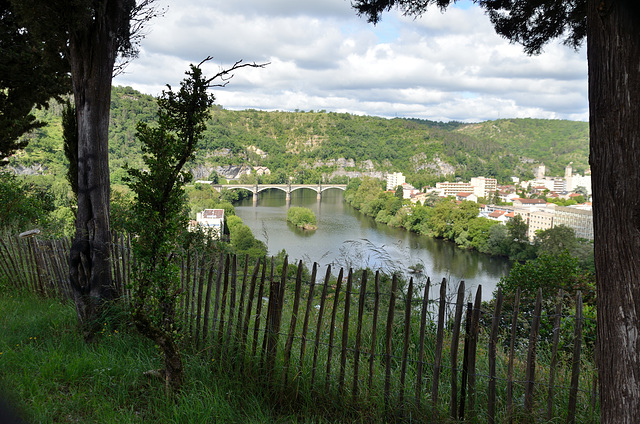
(580, 220)
(394, 180)
(484, 187)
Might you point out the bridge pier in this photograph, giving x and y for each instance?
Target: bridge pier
(319, 196)
(255, 194)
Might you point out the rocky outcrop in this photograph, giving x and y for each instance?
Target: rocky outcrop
(35, 169)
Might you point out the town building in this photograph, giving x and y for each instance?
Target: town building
(578, 218)
(484, 187)
(212, 220)
(394, 180)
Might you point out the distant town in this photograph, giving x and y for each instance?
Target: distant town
(533, 200)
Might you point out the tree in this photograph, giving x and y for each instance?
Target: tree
(31, 74)
(556, 240)
(612, 30)
(158, 213)
(89, 35)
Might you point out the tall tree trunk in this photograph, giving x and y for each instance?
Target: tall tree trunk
(613, 42)
(92, 54)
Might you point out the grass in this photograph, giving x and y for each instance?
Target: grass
(49, 375)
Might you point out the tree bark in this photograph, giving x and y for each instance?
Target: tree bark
(613, 42)
(93, 47)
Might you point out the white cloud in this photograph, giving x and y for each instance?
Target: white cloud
(441, 66)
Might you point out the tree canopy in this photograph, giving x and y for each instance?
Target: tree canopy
(32, 72)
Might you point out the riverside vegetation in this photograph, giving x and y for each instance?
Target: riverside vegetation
(302, 218)
(47, 202)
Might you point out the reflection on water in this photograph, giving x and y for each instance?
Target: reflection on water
(347, 238)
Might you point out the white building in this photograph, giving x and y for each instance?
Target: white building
(484, 187)
(394, 180)
(212, 220)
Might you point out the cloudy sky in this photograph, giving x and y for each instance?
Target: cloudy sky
(442, 66)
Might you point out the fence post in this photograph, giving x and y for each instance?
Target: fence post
(316, 346)
(228, 343)
(345, 331)
(531, 355)
(307, 314)
(575, 369)
(247, 316)
(512, 350)
(388, 340)
(374, 328)
(356, 359)
(465, 359)
(292, 324)
(423, 329)
(273, 322)
(493, 340)
(455, 342)
(475, 328)
(407, 333)
(439, 340)
(554, 353)
(332, 328)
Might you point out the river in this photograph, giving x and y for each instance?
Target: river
(347, 238)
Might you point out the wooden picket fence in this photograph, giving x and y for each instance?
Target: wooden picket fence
(359, 339)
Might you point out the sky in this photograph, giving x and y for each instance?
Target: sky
(442, 66)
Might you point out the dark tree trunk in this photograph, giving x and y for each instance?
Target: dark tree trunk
(92, 54)
(614, 104)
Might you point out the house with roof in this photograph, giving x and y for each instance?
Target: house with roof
(470, 197)
(212, 221)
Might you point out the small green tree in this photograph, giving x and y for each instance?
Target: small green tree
(158, 213)
(159, 210)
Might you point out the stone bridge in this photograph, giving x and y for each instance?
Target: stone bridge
(287, 188)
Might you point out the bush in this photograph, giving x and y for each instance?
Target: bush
(302, 217)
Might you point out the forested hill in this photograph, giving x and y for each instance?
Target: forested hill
(311, 143)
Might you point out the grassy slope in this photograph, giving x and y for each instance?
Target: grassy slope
(51, 376)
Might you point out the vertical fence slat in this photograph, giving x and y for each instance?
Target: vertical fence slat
(465, 360)
(435, 384)
(374, 328)
(423, 329)
(531, 355)
(307, 315)
(332, 328)
(316, 347)
(270, 305)
(250, 298)
(389, 340)
(407, 334)
(239, 319)
(229, 345)
(455, 341)
(356, 359)
(256, 325)
(203, 269)
(185, 276)
(292, 323)
(345, 331)
(207, 302)
(512, 351)
(473, 348)
(554, 353)
(493, 341)
(223, 305)
(575, 368)
(275, 308)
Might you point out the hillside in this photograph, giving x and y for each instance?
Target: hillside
(310, 145)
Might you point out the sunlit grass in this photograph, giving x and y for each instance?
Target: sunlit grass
(48, 374)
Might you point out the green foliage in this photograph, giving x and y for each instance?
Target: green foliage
(549, 272)
(32, 72)
(305, 145)
(25, 205)
(158, 217)
(302, 217)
